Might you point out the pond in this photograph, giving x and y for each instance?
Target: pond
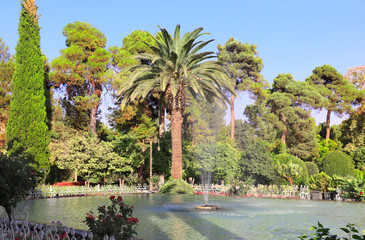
(175, 216)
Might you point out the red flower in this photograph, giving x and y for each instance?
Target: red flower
(112, 197)
(120, 198)
(118, 216)
(135, 220)
(91, 217)
(361, 193)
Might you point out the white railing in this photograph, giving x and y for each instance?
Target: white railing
(26, 230)
(55, 191)
(302, 192)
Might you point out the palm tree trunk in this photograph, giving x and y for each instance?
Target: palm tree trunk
(232, 117)
(176, 127)
(328, 128)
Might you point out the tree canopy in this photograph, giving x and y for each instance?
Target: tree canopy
(177, 68)
(26, 131)
(81, 70)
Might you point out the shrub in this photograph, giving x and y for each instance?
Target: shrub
(16, 179)
(240, 188)
(178, 186)
(319, 182)
(258, 164)
(312, 168)
(324, 233)
(338, 163)
(115, 220)
(359, 157)
(303, 173)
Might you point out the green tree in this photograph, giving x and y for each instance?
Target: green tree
(359, 158)
(226, 165)
(287, 102)
(257, 163)
(353, 132)
(285, 158)
(27, 130)
(91, 158)
(338, 91)
(244, 66)
(290, 171)
(81, 70)
(16, 179)
(6, 75)
(244, 134)
(177, 68)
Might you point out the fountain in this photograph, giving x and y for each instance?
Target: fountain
(206, 186)
(206, 161)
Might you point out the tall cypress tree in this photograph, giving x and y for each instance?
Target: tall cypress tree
(26, 132)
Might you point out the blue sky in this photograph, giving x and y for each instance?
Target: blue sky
(291, 36)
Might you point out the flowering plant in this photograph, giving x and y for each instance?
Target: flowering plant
(115, 220)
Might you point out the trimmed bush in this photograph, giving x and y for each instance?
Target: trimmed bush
(303, 174)
(319, 182)
(338, 163)
(312, 168)
(177, 186)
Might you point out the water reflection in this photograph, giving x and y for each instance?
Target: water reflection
(175, 216)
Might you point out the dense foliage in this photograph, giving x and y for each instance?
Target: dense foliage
(26, 131)
(177, 186)
(319, 182)
(312, 168)
(302, 176)
(17, 178)
(338, 163)
(257, 163)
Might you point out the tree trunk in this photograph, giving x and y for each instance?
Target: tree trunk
(328, 128)
(93, 113)
(9, 212)
(140, 171)
(232, 117)
(161, 127)
(285, 129)
(75, 175)
(292, 186)
(176, 126)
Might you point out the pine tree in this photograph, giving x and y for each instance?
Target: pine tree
(26, 132)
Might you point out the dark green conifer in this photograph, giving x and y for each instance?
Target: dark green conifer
(26, 132)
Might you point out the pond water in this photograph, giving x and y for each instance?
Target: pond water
(175, 216)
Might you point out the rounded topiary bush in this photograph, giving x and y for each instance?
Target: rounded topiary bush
(177, 186)
(303, 174)
(312, 168)
(338, 163)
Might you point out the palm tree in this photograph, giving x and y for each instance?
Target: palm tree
(177, 68)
